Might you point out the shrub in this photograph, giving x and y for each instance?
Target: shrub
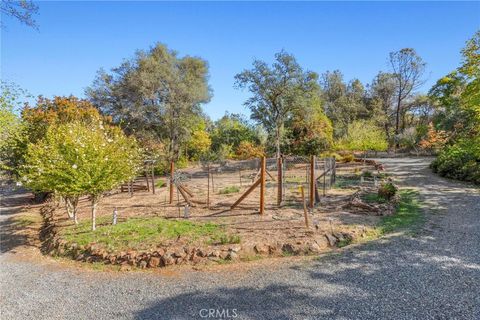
(460, 161)
(348, 157)
(231, 189)
(387, 190)
(247, 150)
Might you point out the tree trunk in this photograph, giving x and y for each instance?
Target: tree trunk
(277, 141)
(94, 211)
(397, 120)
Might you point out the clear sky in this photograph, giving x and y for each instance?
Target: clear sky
(75, 39)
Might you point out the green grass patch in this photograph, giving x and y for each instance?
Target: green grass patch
(160, 183)
(143, 233)
(373, 198)
(408, 213)
(230, 189)
(224, 238)
(345, 182)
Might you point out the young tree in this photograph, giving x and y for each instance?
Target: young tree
(276, 91)
(363, 136)
(76, 159)
(407, 69)
(155, 92)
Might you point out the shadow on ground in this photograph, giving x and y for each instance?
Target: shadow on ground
(432, 275)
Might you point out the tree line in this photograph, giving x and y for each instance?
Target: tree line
(151, 107)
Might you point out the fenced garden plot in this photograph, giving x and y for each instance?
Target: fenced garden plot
(225, 200)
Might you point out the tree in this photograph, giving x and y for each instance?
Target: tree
(276, 91)
(231, 130)
(343, 103)
(309, 131)
(407, 69)
(22, 10)
(460, 157)
(155, 92)
(381, 94)
(363, 136)
(75, 159)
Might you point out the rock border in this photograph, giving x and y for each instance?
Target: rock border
(54, 245)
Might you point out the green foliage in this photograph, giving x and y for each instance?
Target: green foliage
(246, 150)
(363, 136)
(460, 160)
(387, 190)
(75, 159)
(309, 131)
(160, 183)
(231, 130)
(12, 133)
(373, 198)
(276, 91)
(230, 189)
(222, 239)
(140, 233)
(407, 215)
(155, 92)
(199, 142)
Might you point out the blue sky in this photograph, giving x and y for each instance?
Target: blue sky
(77, 38)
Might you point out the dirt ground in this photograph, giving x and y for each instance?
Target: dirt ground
(279, 223)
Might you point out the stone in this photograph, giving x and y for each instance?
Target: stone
(125, 267)
(313, 247)
(195, 259)
(331, 239)
(154, 262)
(202, 252)
(168, 260)
(262, 248)
(232, 255)
(112, 258)
(223, 254)
(339, 236)
(289, 248)
(235, 248)
(142, 264)
(179, 253)
(214, 253)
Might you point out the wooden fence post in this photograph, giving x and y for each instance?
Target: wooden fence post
(208, 186)
(312, 182)
(280, 181)
(172, 170)
(304, 207)
(324, 177)
(153, 179)
(262, 185)
(146, 179)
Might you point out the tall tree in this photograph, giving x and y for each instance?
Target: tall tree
(343, 103)
(382, 96)
(276, 91)
(157, 92)
(22, 10)
(407, 68)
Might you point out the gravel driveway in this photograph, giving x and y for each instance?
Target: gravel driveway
(433, 275)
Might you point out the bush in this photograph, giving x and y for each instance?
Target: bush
(348, 157)
(387, 190)
(460, 161)
(228, 190)
(247, 150)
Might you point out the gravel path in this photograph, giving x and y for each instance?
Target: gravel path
(434, 275)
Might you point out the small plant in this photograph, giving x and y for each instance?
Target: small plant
(367, 174)
(373, 198)
(228, 190)
(387, 190)
(160, 184)
(225, 239)
(348, 157)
